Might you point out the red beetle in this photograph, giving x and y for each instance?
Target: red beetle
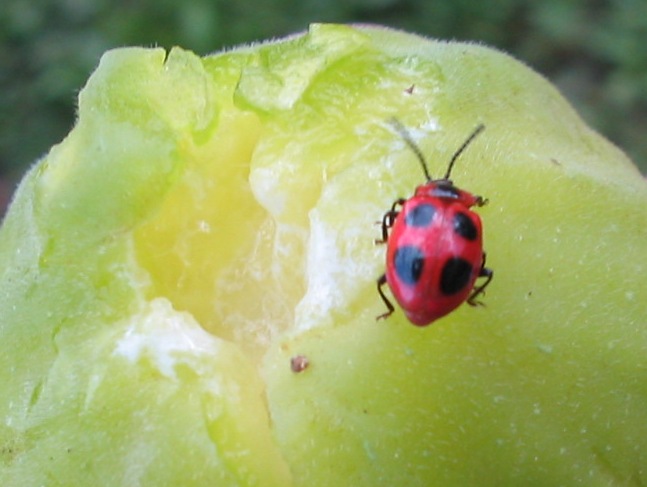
(434, 245)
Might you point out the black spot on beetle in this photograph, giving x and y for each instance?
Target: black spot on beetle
(420, 215)
(464, 226)
(455, 275)
(409, 263)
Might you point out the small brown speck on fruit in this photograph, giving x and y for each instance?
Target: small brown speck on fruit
(299, 363)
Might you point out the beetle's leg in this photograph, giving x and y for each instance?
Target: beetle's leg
(381, 282)
(479, 290)
(388, 219)
(480, 201)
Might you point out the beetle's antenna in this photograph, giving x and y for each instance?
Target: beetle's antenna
(460, 150)
(406, 136)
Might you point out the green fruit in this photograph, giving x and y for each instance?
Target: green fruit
(207, 220)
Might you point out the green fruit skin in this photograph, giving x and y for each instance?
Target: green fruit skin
(128, 358)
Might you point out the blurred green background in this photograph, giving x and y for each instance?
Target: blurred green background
(595, 51)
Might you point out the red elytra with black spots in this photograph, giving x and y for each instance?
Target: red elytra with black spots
(434, 240)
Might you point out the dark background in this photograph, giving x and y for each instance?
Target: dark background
(595, 51)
